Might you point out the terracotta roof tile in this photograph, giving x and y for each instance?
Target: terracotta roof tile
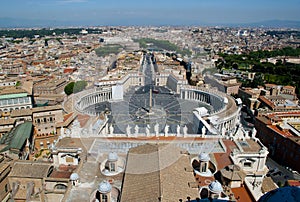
(241, 194)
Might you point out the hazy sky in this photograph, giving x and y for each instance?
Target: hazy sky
(153, 12)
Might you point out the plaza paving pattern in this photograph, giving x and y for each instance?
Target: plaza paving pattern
(167, 109)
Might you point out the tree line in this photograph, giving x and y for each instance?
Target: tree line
(161, 44)
(31, 33)
(281, 73)
(75, 87)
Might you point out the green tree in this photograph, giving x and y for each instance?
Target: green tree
(79, 86)
(18, 83)
(69, 88)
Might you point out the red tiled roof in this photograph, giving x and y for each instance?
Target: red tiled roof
(266, 101)
(284, 133)
(295, 183)
(63, 171)
(241, 194)
(270, 85)
(204, 181)
(290, 87)
(223, 159)
(283, 114)
(83, 119)
(67, 116)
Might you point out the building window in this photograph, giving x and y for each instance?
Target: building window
(60, 186)
(112, 167)
(247, 164)
(6, 188)
(204, 167)
(104, 198)
(69, 159)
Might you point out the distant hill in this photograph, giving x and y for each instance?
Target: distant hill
(276, 24)
(24, 23)
(266, 24)
(27, 23)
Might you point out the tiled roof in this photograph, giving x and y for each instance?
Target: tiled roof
(241, 194)
(29, 112)
(30, 169)
(157, 170)
(268, 185)
(294, 183)
(83, 119)
(7, 121)
(223, 159)
(233, 172)
(16, 138)
(4, 163)
(5, 91)
(63, 171)
(284, 133)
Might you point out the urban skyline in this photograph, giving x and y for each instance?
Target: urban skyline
(117, 101)
(98, 13)
(132, 113)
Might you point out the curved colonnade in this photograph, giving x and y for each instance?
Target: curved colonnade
(225, 114)
(91, 97)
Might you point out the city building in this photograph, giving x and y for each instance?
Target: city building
(5, 168)
(37, 181)
(278, 103)
(65, 156)
(45, 121)
(250, 97)
(213, 156)
(18, 143)
(236, 173)
(53, 86)
(6, 125)
(224, 83)
(279, 131)
(14, 98)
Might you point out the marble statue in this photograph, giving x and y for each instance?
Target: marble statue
(136, 130)
(111, 129)
(128, 130)
(156, 129)
(178, 130)
(147, 131)
(185, 130)
(203, 131)
(167, 130)
(254, 131)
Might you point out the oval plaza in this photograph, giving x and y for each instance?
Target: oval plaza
(156, 98)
